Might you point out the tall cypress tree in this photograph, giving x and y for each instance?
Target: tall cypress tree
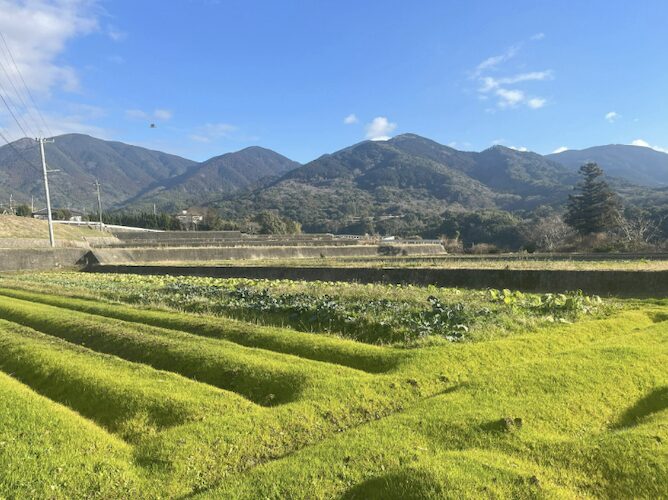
(593, 206)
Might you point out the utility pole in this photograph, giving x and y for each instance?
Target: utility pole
(11, 204)
(32, 205)
(42, 141)
(99, 201)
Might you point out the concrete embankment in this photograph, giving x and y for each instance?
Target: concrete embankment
(604, 283)
(212, 254)
(26, 259)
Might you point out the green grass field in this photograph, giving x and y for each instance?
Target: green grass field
(150, 387)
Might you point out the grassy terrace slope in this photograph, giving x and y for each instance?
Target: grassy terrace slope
(28, 228)
(107, 400)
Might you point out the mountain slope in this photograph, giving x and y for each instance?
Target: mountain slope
(123, 170)
(407, 175)
(639, 165)
(218, 176)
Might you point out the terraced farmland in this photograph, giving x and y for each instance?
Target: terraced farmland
(109, 388)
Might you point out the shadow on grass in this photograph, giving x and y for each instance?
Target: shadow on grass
(403, 484)
(654, 402)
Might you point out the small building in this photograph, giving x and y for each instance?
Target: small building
(66, 214)
(189, 219)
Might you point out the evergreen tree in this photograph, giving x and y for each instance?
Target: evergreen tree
(593, 206)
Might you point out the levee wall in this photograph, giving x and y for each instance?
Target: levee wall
(25, 259)
(204, 254)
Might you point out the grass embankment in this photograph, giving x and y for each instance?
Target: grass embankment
(12, 227)
(332, 350)
(568, 410)
(48, 451)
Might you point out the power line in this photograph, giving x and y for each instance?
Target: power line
(20, 98)
(25, 134)
(17, 152)
(18, 71)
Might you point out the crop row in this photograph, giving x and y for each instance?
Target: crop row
(344, 352)
(133, 397)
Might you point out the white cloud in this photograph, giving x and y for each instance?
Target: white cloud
(645, 144)
(560, 149)
(509, 98)
(380, 129)
(611, 116)
(536, 102)
(76, 119)
(494, 61)
(136, 114)
(210, 132)
(490, 83)
(522, 149)
(37, 32)
(350, 119)
(498, 86)
(115, 34)
(162, 114)
(158, 114)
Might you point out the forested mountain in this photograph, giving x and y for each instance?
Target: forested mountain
(216, 177)
(639, 165)
(408, 178)
(123, 170)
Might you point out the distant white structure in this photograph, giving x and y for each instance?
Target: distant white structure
(74, 215)
(190, 219)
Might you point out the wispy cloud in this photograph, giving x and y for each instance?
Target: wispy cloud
(380, 129)
(504, 88)
(210, 132)
(612, 116)
(560, 149)
(493, 61)
(644, 144)
(158, 114)
(350, 119)
(509, 98)
(536, 102)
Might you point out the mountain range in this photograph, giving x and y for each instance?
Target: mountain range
(407, 174)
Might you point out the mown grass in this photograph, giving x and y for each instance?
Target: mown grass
(48, 451)
(443, 421)
(333, 350)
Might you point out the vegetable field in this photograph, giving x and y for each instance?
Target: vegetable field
(117, 386)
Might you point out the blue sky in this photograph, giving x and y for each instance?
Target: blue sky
(310, 77)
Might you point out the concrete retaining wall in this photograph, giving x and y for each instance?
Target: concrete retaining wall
(148, 255)
(604, 283)
(41, 259)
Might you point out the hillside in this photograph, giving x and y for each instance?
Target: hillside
(407, 176)
(26, 228)
(639, 165)
(216, 177)
(123, 170)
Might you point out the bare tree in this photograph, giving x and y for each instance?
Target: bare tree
(638, 228)
(549, 233)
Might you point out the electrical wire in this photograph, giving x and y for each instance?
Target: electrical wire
(25, 86)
